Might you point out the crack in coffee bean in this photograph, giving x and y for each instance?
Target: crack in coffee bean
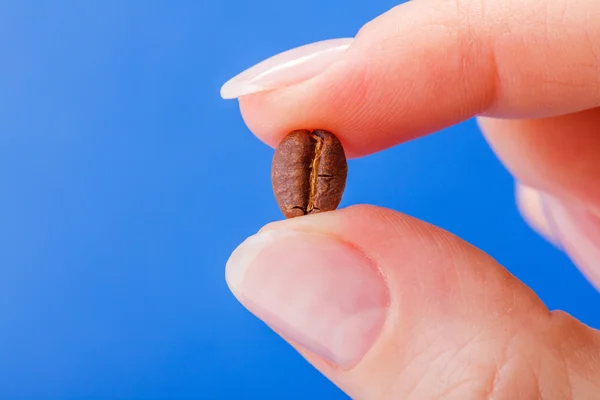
(314, 176)
(309, 173)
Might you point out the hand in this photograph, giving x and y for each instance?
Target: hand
(389, 307)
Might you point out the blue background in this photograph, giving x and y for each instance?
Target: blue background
(126, 182)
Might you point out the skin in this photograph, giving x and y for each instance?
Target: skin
(530, 71)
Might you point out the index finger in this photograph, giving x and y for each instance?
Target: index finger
(428, 64)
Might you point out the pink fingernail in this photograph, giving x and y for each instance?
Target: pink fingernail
(286, 68)
(578, 230)
(314, 290)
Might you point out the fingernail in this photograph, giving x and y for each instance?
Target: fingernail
(286, 68)
(314, 290)
(578, 230)
(530, 204)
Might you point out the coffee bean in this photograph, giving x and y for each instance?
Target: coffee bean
(308, 173)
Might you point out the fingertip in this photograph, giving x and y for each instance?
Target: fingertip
(384, 89)
(328, 104)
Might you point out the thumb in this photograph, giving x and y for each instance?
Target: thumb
(389, 307)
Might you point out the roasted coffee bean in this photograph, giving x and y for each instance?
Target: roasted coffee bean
(309, 173)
